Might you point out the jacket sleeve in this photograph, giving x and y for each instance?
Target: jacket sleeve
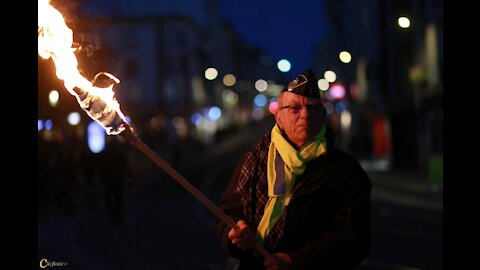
(231, 204)
(347, 244)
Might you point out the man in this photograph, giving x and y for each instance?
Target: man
(294, 192)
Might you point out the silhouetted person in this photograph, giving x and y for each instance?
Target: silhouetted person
(91, 167)
(64, 173)
(44, 174)
(114, 172)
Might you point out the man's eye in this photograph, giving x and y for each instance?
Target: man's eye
(295, 108)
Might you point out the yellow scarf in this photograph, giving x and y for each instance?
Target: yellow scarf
(281, 182)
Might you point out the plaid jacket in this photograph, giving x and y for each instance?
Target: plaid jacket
(327, 223)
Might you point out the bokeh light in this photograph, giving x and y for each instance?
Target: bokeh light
(53, 98)
(345, 57)
(214, 113)
(229, 80)
(211, 73)
(96, 137)
(323, 84)
(40, 124)
(337, 91)
(229, 97)
(196, 118)
(259, 101)
(74, 118)
(273, 107)
(330, 76)
(48, 124)
(345, 119)
(404, 22)
(261, 85)
(284, 65)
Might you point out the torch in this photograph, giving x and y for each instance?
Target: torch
(55, 41)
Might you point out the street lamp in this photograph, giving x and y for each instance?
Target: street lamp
(229, 80)
(53, 98)
(345, 57)
(330, 75)
(211, 73)
(403, 22)
(284, 65)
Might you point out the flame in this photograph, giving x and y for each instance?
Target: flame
(55, 40)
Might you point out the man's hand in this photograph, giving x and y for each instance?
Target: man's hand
(278, 261)
(242, 237)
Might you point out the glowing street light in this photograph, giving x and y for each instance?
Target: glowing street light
(345, 57)
(229, 80)
(74, 118)
(40, 124)
(211, 73)
(284, 65)
(53, 98)
(330, 76)
(403, 22)
(323, 84)
(261, 85)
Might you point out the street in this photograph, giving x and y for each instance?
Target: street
(165, 227)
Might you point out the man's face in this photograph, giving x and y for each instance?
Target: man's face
(301, 118)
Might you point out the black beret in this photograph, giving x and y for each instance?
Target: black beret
(305, 84)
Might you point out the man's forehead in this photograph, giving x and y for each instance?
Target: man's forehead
(292, 97)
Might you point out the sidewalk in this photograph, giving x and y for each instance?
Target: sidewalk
(406, 188)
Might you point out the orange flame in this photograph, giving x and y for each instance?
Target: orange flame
(55, 40)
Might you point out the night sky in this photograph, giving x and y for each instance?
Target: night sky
(283, 28)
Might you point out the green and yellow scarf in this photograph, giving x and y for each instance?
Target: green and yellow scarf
(284, 164)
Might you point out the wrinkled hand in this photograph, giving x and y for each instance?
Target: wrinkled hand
(278, 261)
(242, 237)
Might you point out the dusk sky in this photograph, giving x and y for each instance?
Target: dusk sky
(283, 28)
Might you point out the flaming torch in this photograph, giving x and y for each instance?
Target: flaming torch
(55, 41)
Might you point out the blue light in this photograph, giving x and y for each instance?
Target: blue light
(196, 117)
(340, 106)
(128, 119)
(260, 101)
(40, 124)
(214, 113)
(48, 124)
(96, 137)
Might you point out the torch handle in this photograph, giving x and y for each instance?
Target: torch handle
(135, 141)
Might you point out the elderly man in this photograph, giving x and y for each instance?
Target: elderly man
(303, 199)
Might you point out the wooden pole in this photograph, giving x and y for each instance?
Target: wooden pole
(133, 139)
